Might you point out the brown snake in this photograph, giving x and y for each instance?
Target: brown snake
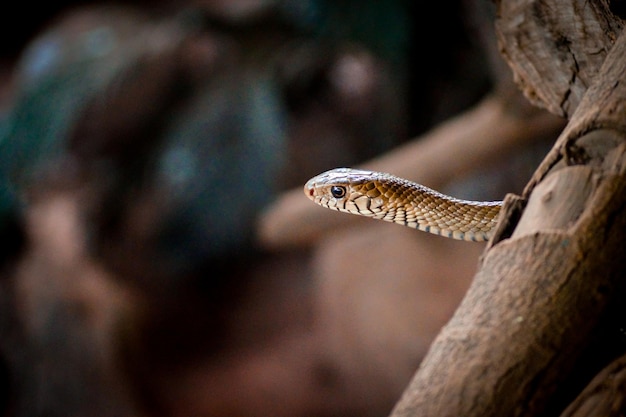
(384, 196)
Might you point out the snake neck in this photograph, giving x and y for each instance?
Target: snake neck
(419, 207)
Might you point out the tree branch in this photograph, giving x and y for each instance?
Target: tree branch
(541, 294)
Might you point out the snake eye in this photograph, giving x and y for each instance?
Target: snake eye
(337, 191)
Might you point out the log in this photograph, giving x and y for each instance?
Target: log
(549, 279)
(556, 48)
(604, 396)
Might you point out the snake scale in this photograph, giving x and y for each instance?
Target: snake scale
(393, 199)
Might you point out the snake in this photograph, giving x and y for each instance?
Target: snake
(393, 199)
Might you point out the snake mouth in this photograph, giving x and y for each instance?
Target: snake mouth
(309, 189)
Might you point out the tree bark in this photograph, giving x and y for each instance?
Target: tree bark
(605, 394)
(556, 48)
(539, 318)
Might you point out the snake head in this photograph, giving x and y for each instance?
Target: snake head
(344, 189)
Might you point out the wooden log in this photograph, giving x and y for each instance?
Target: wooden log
(542, 292)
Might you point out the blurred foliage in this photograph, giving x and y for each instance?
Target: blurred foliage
(211, 158)
(117, 100)
(113, 96)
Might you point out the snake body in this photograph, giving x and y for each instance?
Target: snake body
(393, 199)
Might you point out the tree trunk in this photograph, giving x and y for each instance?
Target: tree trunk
(604, 396)
(542, 315)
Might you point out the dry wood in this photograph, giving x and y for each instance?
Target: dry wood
(605, 394)
(541, 294)
(556, 48)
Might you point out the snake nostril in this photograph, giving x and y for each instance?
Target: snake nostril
(311, 192)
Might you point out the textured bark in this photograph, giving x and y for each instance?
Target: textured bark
(556, 48)
(605, 394)
(540, 317)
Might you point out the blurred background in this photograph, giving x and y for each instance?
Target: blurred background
(140, 144)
